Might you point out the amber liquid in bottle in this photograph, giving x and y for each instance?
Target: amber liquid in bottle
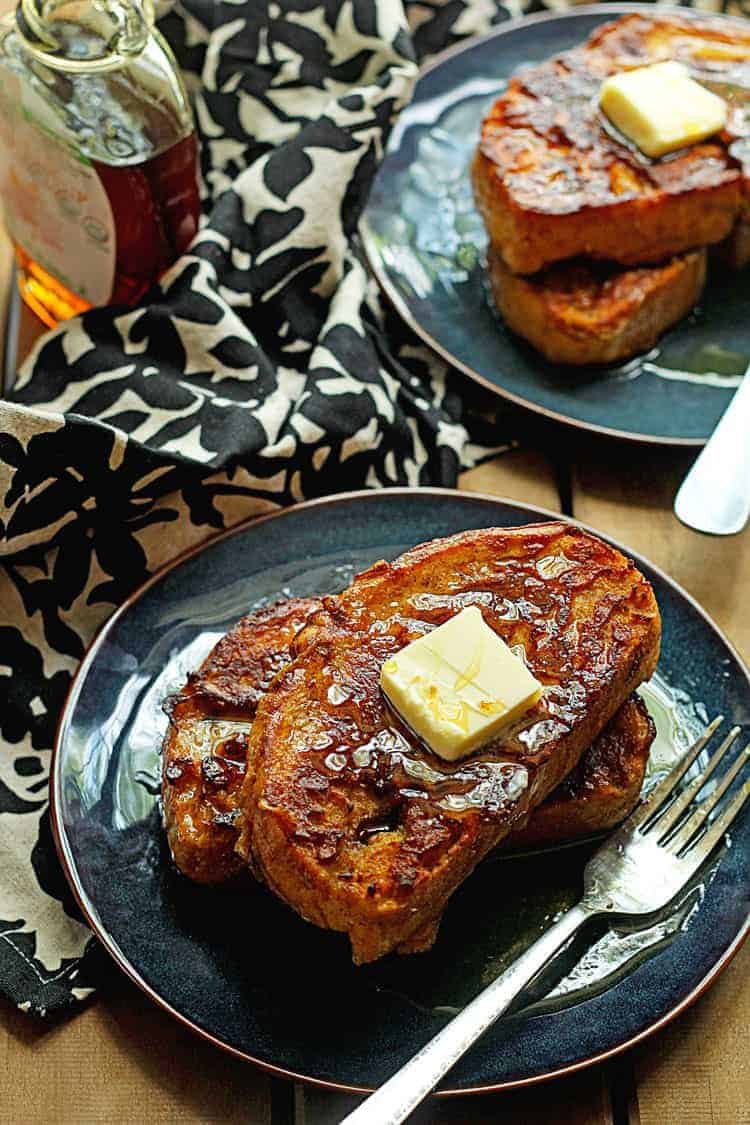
(155, 206)
(100, 154)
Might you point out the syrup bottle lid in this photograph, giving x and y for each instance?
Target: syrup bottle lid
(72, 35)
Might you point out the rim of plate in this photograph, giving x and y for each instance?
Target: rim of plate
(89, 910)
(393, 296)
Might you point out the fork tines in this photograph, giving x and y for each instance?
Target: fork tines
(681, 822)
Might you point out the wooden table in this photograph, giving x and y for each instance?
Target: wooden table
(121, 1059)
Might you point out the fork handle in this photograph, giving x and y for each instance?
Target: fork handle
(393, 1102)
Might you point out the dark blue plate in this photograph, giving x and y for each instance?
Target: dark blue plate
(426, 242)
(240, 967)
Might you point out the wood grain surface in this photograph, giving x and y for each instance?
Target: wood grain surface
(6, 266)
(121, 1060)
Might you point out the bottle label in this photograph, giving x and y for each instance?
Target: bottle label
(55, 206)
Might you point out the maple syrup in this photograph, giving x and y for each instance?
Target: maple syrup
(98, 154)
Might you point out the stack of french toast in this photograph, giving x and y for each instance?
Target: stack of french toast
(595, 248)
(283, 758)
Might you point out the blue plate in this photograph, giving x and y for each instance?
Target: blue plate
(241, 968)
(426, 243)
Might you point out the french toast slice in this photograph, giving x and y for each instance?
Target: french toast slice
(204, 756)
(734, 251)
(584, 312)
(204, 762)
(554, 181)
(361, 828)
(602, 789)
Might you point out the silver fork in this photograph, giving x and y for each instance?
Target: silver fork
(639, 870)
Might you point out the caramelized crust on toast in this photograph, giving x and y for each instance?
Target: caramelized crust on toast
(735, 250)
(205, 749)
(204, 764)
(362, 829)
(602, 789)
(553, 181)
(582, 312)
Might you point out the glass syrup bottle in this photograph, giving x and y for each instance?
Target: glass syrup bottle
(98, 154)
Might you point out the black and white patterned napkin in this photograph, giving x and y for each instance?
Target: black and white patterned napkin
(261, 371)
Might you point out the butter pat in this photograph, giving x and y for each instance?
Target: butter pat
(458, 686)
(660, 108)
